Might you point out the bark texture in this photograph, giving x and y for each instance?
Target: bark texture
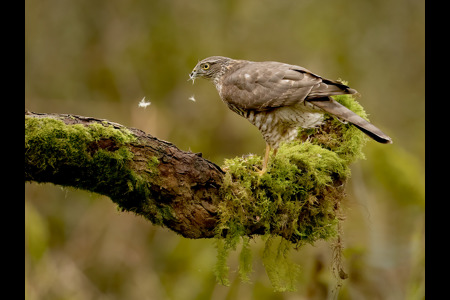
(139, 172)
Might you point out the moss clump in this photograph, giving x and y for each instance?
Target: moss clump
(53, 142)
(297, 199)
(97, 157)
(344, 139)
(96, 152)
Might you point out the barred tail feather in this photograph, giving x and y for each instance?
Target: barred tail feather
(373, 132)
(334, 108)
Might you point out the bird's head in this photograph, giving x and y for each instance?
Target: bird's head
(210, 68)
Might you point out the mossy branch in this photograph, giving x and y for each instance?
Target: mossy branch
(297, 199)
(140, 173)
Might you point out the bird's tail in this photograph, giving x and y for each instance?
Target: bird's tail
(335, 108)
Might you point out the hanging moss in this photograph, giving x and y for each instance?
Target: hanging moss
(282, 272)
(245, 260)
(297, 199)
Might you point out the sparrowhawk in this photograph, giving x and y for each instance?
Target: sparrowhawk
(279, 98)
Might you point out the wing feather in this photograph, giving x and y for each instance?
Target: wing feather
(267, 85)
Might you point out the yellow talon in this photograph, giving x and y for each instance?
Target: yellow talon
(266, 160)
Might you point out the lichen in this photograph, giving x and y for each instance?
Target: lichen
(297, 199)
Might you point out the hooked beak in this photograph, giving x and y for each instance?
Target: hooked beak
(192, 76)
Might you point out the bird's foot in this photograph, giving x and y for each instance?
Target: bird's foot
(260, 172)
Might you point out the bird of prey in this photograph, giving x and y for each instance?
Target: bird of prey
(279, 98)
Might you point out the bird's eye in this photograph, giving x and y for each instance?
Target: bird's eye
(205, 66)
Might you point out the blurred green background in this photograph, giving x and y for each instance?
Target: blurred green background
(100, 58)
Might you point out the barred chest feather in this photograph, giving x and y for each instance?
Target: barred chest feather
(281, 124)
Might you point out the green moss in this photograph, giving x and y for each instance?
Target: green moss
(245, 260)
(152, 166)
(69, 142)
(297, 199)
(342, 138)
(282, 272)
(98, 153)
(221, 268)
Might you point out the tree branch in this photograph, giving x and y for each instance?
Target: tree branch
(140, 173)
(297, 199)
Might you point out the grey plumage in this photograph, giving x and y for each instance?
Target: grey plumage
(278, 98)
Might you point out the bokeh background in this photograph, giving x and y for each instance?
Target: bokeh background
(100, 58)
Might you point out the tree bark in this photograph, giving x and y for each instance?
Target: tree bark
(151, 177)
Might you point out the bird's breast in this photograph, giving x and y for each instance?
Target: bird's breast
(281, 124)
(219, 86)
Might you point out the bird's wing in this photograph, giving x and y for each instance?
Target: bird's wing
(267, 85)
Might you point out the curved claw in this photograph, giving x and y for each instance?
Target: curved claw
(260, 172)
(265, 162)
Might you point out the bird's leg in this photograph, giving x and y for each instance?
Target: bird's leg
(266, 160)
